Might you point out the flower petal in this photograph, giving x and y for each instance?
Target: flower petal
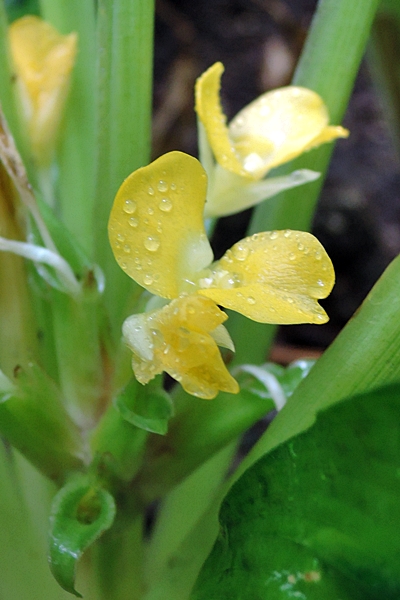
(178, 339)
(280, 125)
(156, 226)
(208, 108)
(231, 193)
(43, 60)
(273, 277)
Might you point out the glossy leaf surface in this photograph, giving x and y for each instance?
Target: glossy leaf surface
(316, 518)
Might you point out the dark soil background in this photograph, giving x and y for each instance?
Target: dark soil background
(259, 42)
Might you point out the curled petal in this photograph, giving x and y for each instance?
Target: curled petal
(43, 61)
(273, 277)
(272, 130)
(178, 339)
(208, 108)
(279, 126)
(156, 226)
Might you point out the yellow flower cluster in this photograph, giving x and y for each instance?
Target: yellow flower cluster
(157, 234)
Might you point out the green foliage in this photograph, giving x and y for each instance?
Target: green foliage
(81, 512)
(316, 517)
(147, 407)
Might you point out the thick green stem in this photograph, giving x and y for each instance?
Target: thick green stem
(328, 65)
(125, 53)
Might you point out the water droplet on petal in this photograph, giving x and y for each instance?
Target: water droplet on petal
(173, 186)
(292, 256)
(273, 235)
(300, 246)
(318, 255)
(130, 206)
(147, 280)
(251, 300)
(120, 237)
(165, 204)
(133, 222)
(152, 243)
(150, 191)
(287, 233)
(240, 252)
(150, 210)
(127, 248)
(320, 283)
(162, 186)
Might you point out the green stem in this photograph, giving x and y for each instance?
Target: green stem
(125, 50)
(328, 65)
(383, 55)
(75, 187)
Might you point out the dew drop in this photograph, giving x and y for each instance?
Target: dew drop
(127, 249)
(150, 210)
(165, 204)
(251, 300)
(130, 206)
(173, 186)
(300, 246)
(147, 280)
(159, 227)
(240, 252)
(320, 283)
(150, 191)
(273, 235)
(124, 266)
(133, 222)
(290, 300)
(318, 255)
(287, 233)
(120, 237)
(152, 243)
(292, 256)
(162, 186)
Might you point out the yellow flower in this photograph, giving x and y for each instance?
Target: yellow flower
(275, 128)
(157, 234)
(43, 61)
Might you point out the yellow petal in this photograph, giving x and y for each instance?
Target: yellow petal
(43, 60)
(279, 126)
(156, 226)
(208, 108)
(273, 277)
(177, 339)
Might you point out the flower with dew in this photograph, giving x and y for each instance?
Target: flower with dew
(275, 128)
(42, 60)
(157, 234)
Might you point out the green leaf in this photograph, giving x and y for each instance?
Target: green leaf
(34, 420)
(316, 518)
(147, 407)
(271, 381)
(81, 512)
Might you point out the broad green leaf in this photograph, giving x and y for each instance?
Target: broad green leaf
(81, 512)
(317, 518)
(148, 407)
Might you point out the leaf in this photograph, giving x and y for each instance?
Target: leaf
(271, 381)
(148, 407)
(80, 513)
(316, 518)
